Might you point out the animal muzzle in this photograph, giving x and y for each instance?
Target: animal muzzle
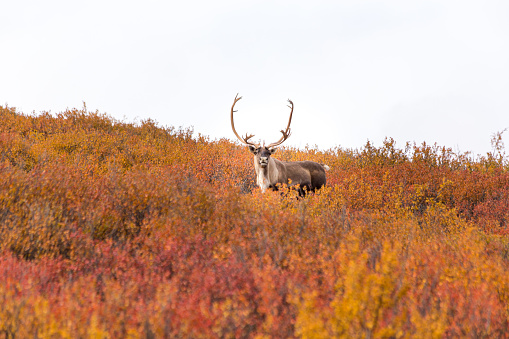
(264, 162)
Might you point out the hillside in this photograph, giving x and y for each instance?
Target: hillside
(115, 229)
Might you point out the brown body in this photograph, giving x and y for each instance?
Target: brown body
(306, 175)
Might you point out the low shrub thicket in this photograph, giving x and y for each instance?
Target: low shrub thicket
(115, 229)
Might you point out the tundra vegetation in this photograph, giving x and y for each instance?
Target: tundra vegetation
(112, 229)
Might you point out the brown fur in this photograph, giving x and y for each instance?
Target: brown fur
(307, 175)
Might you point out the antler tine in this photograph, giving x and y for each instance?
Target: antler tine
(286, 133)
(246, 138)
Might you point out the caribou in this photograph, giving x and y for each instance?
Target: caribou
(271, 173)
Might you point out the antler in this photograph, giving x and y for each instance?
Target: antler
(286, 133)
(247, 137)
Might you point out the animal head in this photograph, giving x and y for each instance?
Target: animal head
(262, 153)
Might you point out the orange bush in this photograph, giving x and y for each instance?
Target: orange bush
(115, 229)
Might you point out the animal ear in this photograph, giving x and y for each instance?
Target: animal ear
(272, 150)
(253, 149)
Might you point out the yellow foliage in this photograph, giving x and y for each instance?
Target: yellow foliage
(124, 230)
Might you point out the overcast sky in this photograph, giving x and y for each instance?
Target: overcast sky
(434, 71)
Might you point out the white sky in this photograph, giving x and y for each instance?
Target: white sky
(434, 71)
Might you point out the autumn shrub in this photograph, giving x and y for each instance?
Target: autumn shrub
(118, 229)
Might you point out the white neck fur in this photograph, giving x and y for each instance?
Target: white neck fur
(266, 176)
